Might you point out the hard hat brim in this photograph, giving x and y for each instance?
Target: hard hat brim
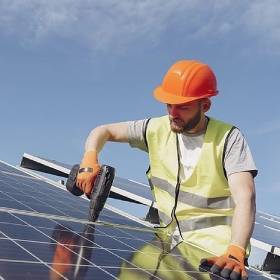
(169, 98)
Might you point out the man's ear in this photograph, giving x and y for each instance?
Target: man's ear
(206, 104)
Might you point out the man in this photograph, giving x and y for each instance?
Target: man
(201, 169)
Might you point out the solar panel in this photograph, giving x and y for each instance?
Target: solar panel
(270, 221)
(5, 169)
(45, 165)
(265, 236)
(30, 247)
(138, 189)
(121, 188)
(44, 233)
(31, 194)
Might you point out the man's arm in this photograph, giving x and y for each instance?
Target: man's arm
(116, 132)
(240, 169)
(90, 167)
(243, 192)
(231, 264)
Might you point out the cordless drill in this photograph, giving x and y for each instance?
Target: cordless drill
(100, 190)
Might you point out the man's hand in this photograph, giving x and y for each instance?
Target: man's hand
(230, 265)
(89, 169)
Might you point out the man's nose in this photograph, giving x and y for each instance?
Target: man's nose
(173, 111)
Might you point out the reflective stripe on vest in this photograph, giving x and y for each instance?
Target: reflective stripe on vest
(193, 199)
(199, 223)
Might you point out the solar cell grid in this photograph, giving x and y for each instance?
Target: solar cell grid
(268, 221)
(35, 195)
(274, 217)
(6, 169)
(43, 247)
(267, 232)
(132, 187)
(110, 258)
(37, 270)
(267, 235)
(104, 257)
(32, 244)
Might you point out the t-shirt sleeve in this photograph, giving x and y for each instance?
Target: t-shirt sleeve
(238, 156)
(136, 134)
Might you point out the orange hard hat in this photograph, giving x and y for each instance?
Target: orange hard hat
(185, 81)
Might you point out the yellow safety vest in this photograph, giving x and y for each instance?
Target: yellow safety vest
(201, 206)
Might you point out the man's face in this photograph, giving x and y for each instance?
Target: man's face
(185, 117)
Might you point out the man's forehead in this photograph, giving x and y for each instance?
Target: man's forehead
(190, 103)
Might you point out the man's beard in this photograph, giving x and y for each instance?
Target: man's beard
(179, 126)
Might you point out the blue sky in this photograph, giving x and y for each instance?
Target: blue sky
(67, 66)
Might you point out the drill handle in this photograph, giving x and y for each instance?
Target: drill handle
(101, 190)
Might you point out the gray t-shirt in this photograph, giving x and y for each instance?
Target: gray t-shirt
(237, 158)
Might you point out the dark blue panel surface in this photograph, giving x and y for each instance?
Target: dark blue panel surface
(10, 251)
(31, 194)
(6, 168)
(37, 270)
(270, 222)
(45, 247)
(267, 235)
(267, 229)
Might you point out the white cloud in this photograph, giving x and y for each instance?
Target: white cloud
(113, 23)
(98, 23)
(262, 21)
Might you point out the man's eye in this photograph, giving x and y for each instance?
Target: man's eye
(184, 107)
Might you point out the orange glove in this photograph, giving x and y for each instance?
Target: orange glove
(230, 265)
(89, 169)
